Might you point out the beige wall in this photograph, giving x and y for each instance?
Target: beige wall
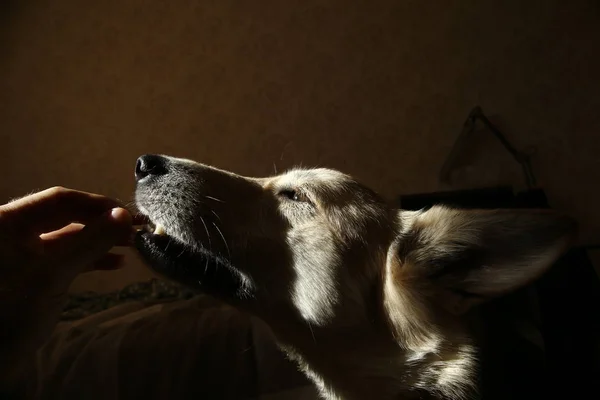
(379, 89)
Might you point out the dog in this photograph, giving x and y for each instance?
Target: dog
(369, 300)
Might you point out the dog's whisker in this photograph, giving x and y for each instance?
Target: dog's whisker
(311, 331)
(283, 150)
(215, 214)
(132, 208)
(207, 233)
(214, 198)
(209, 242)
(224, 241)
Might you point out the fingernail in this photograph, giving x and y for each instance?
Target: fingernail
(120, 214)
(115, 212)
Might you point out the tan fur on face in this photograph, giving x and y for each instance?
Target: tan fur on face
(366, 298)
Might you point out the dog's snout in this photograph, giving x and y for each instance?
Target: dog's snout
(150, 164)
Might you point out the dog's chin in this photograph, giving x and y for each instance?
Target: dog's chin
(196, 268)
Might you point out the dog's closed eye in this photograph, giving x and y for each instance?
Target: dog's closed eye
(294, 195)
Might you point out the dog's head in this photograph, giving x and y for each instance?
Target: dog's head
(314, 247)
(307, 241)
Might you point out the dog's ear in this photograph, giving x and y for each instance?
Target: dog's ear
(465, 257)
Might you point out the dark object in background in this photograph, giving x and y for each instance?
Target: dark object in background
(476, 114)
(568, 302)
(567, 297)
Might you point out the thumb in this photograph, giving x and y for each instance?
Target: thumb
(95, 239)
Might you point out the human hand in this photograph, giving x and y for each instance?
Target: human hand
(46, 240)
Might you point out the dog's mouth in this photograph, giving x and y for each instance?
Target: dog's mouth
(154, 229)
(194, 266)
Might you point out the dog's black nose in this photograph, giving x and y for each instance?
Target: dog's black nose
(150, 164)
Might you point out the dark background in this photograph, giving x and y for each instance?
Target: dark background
(379, 89)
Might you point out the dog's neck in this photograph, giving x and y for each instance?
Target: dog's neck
(368, 363)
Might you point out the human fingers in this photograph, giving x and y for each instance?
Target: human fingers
(94, 240)
(50, 239)
(52, 209)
